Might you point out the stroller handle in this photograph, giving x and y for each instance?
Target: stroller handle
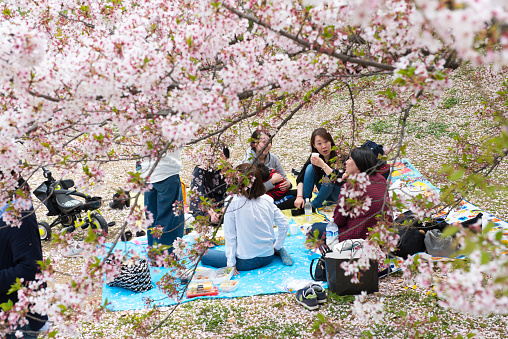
(47, 173)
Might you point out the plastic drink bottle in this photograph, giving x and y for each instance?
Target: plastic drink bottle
(332, 233)
(308, 211)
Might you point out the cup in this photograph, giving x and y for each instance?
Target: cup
(315, 154)
(293, 229)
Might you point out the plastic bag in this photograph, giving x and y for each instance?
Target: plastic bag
(348, 244)
(292, 285)
(437, 246)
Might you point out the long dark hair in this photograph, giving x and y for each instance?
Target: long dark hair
(258, 188)
(323, 133)
(365, 160)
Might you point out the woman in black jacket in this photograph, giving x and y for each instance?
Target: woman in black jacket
(317, 172)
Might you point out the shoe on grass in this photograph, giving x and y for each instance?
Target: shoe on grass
(307, 297)
(320, 293)
(285, 257)
(73, 251)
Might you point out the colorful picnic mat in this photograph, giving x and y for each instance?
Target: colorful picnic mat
(273, 278)
(408, 180)
(267, 280)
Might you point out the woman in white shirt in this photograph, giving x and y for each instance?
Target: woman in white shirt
(248, 228)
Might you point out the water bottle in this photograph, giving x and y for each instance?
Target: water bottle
(308, 211)
(332, 233)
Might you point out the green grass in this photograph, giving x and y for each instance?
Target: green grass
(450, 102)
(382, 127)
(272, 330)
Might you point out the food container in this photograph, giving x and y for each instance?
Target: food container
(222, 274)
(219, 238)
(203, 274)
(229, 285)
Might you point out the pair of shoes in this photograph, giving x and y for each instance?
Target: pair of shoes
(295, 172)
(311, 296)
(120, 201)
(74, 251)
(128, 235)
(284, 256)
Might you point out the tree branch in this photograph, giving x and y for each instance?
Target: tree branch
(317, 47)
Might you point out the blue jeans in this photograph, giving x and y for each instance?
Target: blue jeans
(328, 191)
(217, 258)
(27, 333)
(159, 200)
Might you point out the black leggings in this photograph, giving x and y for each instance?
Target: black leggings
(288, 203)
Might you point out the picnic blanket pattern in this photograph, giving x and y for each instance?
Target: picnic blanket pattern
(405, 179)
(415, 183)
(267, 280)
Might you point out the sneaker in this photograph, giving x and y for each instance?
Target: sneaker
(74, 251)
(285, 257)
(126, 236)
(307, 298)
(320, 293)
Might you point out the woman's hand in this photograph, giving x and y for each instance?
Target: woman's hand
(276, 178)
(285, 185)
(235, 271)
(214, 217)
(299, 202)
(317, 161)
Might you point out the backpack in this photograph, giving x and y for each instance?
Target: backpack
(382, 167)
(377, 149)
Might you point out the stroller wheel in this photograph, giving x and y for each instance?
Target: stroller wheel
(98, 222)
(68, 220)
(44, 230)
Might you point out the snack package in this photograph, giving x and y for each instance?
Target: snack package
(197, 293)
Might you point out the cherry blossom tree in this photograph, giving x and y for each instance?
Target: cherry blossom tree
(84, 83)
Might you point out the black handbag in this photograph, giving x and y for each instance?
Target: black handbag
(319, 272)
(134, 275)
(340, 283)
(412, 233)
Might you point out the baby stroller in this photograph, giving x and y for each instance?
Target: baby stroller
(61, 202)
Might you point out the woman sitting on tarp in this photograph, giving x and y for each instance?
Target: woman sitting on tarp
(208, 182)
(361, 160)
(248, 228)
(317, 172)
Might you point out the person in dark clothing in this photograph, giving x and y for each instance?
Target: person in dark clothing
(211, 184)
(20, 249)
(362, 160)
(317, 171)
